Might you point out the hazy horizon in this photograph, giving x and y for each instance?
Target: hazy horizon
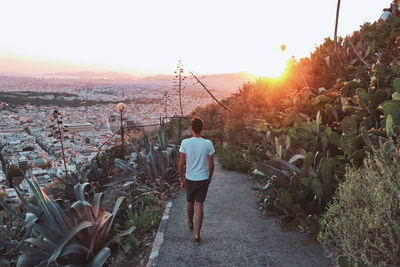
(148, 38)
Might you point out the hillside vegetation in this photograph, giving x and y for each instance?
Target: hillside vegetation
(328, 111)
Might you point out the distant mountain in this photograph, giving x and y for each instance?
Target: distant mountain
(221, 84)
(228, 81)
(225, 84)
(159, 77)
(92, 75)
(236, 76)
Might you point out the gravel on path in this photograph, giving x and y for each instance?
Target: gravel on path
(234, 233)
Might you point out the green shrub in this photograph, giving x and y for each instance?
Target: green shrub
(363, 222)
(212, 133)
(144, 217)
(148, 216)
(232, 158)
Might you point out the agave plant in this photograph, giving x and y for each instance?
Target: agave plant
(9, 232)
(155, 161)
(91, 172)
(77, 236)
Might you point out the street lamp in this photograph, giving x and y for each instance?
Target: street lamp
(121, 108)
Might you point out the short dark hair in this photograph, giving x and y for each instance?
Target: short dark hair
(197, 125)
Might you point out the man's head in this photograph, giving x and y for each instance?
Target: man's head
(197, 125)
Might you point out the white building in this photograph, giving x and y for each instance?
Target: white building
(41, 176)
(76, 127)
(23, 163)
(12, 197)
(2, 176)
(5, 128)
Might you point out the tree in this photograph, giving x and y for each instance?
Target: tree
(12, 172)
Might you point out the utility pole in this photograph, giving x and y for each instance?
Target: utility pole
(336, 24)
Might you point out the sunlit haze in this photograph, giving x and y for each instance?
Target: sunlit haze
(148, 37)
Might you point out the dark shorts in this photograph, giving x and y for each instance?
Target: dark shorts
(196, 190)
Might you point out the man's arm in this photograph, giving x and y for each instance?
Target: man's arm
(181, 165)
(210, 167)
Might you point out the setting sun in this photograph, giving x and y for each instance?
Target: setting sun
(271, 66)
(272, 70)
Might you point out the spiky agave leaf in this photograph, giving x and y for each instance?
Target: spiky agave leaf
(153, 160)
(62, 235)
(145, 166)
(70, 235)
(271, 171)
(286, 164)
(101, 257)
(125, 166)
(146, 143)
(162, 138)
(79, 190)
(97, 203)
(51, 210)
(114, 212)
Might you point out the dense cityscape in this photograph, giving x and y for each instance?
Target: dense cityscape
(89, 111)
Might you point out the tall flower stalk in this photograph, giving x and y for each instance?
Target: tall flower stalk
(59, 129)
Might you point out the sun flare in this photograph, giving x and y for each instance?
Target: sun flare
(275, 70)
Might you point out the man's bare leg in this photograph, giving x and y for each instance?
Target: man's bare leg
(199, 218)
(190, 212)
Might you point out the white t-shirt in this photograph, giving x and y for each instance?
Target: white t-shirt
(197, 150)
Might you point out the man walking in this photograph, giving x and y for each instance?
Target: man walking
(198, 153)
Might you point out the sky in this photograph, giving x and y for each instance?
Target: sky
(148, 37)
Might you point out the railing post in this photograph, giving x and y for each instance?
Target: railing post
(123, 140)
(179, 129)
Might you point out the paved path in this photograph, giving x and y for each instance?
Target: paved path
(233, 233)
